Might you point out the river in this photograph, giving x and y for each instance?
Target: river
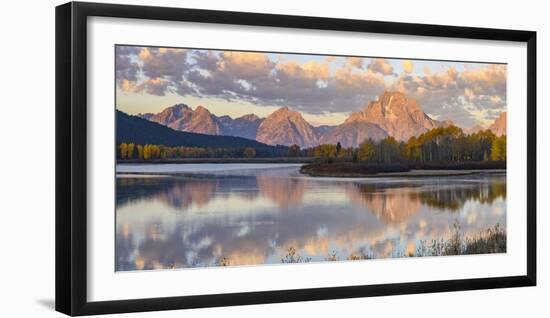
(196, 215)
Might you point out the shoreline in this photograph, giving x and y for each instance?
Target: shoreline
(410, 170)
(415, 173)
(219, 160)
(194, 168)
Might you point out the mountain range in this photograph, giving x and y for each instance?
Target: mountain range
(182, 117)
(133, 129)
(392, 114)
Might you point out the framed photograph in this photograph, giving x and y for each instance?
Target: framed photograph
(209, 158)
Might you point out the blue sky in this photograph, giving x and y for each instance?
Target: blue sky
(324, 88)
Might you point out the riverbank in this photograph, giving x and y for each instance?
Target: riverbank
(179, 169)
(220, 160)
(356, 170)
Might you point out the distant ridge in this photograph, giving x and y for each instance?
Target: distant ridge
(133, 129)
(181, 117)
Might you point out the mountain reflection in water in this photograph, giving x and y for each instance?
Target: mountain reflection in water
(248, 217)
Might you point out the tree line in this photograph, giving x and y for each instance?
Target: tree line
(129, 151)
(443, 144)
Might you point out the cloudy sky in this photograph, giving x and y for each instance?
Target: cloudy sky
(324, 88)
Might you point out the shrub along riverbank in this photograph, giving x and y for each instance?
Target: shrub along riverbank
(365, 169)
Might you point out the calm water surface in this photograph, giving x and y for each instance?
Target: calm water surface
(246, 214)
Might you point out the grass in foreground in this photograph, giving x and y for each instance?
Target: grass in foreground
(489, 241)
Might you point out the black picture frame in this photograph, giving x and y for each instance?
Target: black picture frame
(71, 157)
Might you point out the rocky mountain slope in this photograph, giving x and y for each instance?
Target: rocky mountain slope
(399, 116)
(353, 133)
(181, 117)
(245, 126)
(498, 127)
(287, 127)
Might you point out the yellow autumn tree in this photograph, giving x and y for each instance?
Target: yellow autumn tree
(249, 152)
(498, 149)
(146, 152)
(123, 149)
(130, 151)
(326, 151)
(140, 152)
(366, 150)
